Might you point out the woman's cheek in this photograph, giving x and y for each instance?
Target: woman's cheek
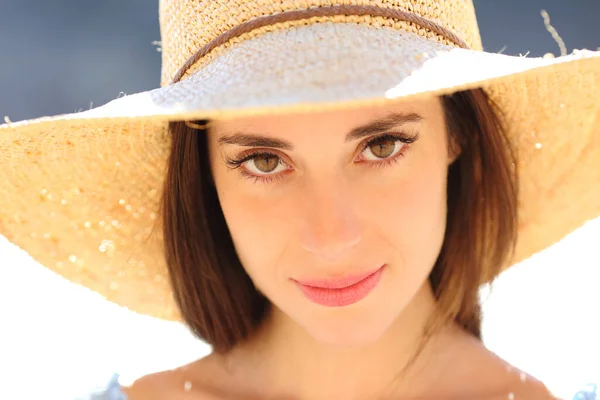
(413, 214)
(257, 226)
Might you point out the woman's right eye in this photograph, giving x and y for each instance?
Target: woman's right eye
(264, 164)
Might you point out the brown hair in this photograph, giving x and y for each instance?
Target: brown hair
(219, 302)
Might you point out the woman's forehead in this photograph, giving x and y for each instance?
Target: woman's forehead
(351, 118)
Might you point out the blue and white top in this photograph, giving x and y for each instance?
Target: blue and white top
(112, 391)
(589, 392)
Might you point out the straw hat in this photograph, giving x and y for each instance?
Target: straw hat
(79, 192)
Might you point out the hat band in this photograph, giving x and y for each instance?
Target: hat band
(346, 9)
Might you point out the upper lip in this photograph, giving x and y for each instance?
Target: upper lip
(340, 282)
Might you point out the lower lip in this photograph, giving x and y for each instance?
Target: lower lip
(343, 296)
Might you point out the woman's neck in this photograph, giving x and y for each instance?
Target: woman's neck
(282, 359)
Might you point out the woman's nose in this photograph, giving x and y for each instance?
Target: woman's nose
(331, 227)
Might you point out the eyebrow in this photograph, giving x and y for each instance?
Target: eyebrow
(379, 125)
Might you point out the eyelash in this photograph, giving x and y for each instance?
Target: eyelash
(405, 138)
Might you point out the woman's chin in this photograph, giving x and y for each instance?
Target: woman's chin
(346, 335)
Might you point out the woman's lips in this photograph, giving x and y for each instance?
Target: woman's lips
(342, 291)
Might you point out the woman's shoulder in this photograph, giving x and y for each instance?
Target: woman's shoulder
(191, 381)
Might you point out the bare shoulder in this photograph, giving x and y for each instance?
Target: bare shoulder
(526, 387)
(488, 376)
(189, 382)
(510, 382)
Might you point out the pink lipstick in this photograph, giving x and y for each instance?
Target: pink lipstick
(342, 291)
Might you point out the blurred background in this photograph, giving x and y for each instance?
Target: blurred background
(58, 340)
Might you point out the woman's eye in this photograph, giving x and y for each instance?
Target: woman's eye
(380, 149)
(264, 164)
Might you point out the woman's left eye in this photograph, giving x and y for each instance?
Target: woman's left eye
(382, 148)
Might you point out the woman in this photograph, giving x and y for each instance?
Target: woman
(328, 186)
(317, 250)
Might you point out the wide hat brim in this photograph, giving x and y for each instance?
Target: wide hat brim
(80, 192)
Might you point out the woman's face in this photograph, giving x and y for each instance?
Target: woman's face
(326, 195)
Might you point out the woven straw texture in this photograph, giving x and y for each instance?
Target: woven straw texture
(79, 192)
(187, 25)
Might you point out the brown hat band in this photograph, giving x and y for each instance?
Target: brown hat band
(327, 11)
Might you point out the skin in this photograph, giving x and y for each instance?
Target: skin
(332, 207)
